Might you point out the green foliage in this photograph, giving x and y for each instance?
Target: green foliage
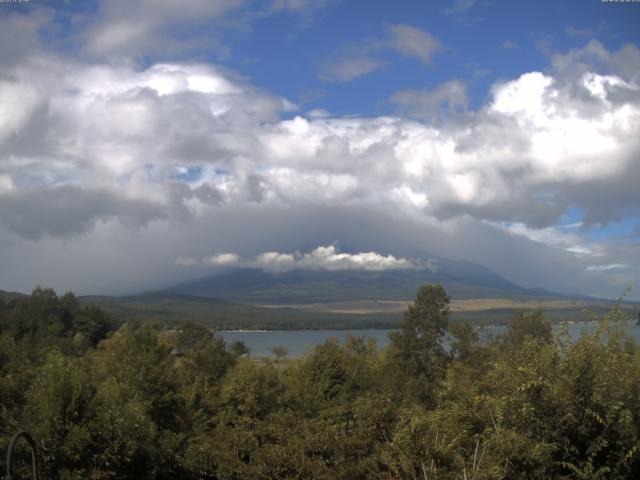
(149, 403)
(417, 346)
(44, 315)
(280, 352)
(528, 325)
(57, 407)
(464, 342)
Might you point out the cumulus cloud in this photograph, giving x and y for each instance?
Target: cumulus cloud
(190, 143)
(192, 136)
(166, 137)
(189, 137)
(320, 258)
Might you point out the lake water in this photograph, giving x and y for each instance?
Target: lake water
(297, 342)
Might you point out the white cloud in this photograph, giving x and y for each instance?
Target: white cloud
(320, 258)
(535, 148)
(523, 97)
(274, 261)
(608, 267)
(18, 102)
(551, 236)
(222, 260)
(405, 194)
(328, 258)
(174, 144)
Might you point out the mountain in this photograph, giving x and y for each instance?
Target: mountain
(303, 299)
(461, 279)
(8, 296)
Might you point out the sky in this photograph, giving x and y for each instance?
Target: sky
(146, 142)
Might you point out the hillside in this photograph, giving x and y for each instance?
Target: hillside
(247, 298)
(8, 296)
(462, 280)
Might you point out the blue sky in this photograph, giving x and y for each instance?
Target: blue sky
(158, 140)
(487, 42)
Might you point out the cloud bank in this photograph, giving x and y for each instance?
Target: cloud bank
(320, 258)
(189, 156)
(183, 138)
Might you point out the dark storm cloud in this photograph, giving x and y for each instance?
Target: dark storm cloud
(249, 231)
(208, 194)
(69, 210)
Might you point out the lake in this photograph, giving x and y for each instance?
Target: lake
(297, 342)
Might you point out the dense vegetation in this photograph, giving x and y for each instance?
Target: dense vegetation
(146, 403)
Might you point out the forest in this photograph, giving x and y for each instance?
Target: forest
(145, 402)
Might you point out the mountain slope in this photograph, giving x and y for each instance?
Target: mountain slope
(460, 279)
(8, 296)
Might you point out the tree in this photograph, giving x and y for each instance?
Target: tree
(238, 349)
(280, 352)
(57, 408)
(40, 315)
(528, 325)
(43, 316)
(91, 322)
(417, 347)
(464, 341)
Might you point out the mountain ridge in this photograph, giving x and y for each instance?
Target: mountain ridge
(461, 279)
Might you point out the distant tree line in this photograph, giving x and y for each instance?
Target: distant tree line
(143, 402)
